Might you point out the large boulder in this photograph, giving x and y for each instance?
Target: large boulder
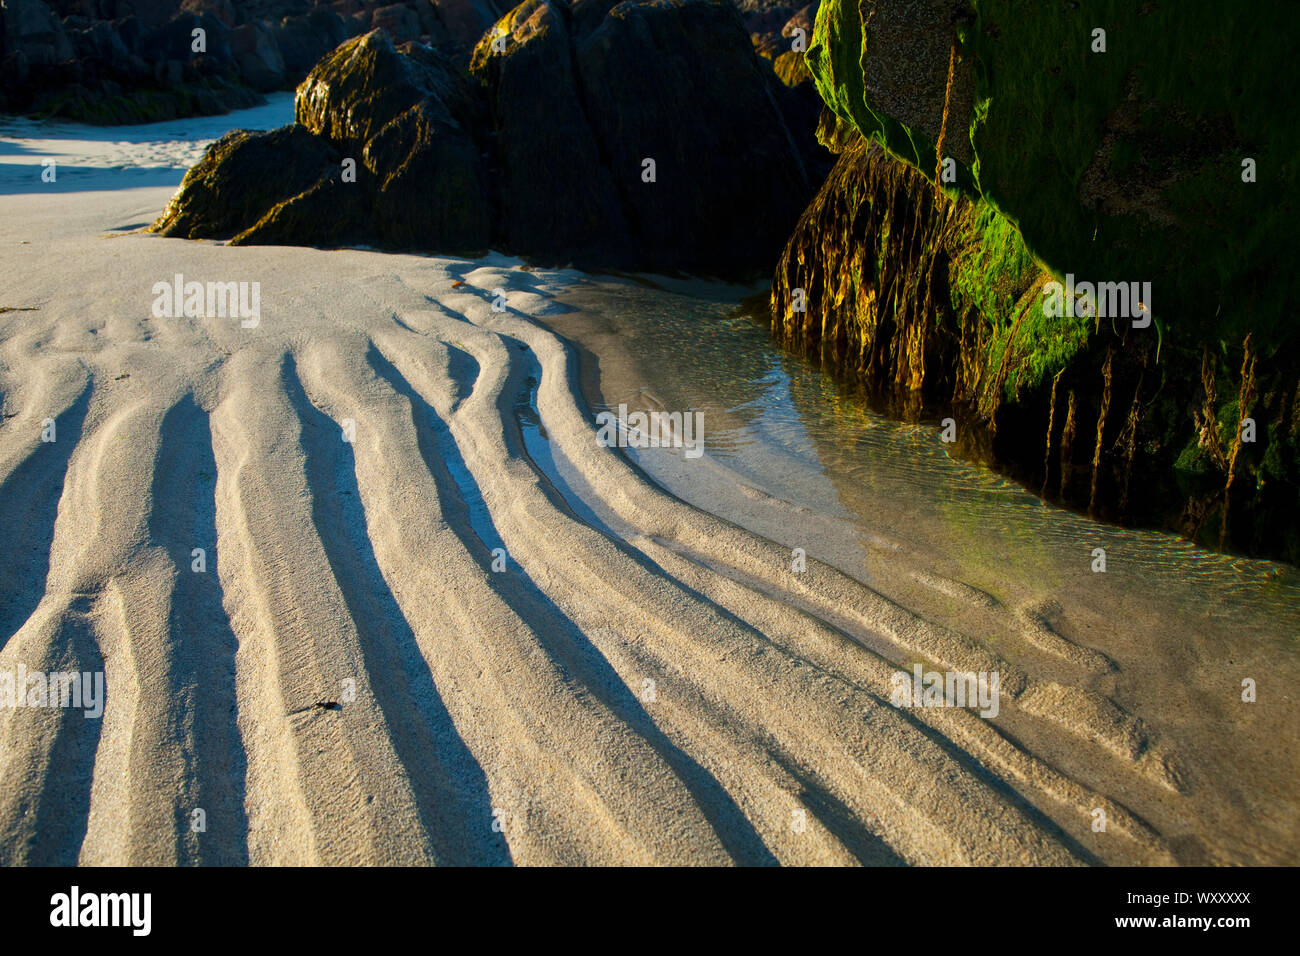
(304, 40)
(558, 193)
(1143, 153)
(32, 29)
(172, 40)
(603, 134)
(428, 182)
(399, 20)
(367, 83)
(465, 21)
(258, 56)
(242, 176)
(723, 156)
(107, 43)
(382, 154)
(223, 10)
(152, 13)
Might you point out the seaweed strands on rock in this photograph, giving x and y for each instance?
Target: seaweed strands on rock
(931, 303)
(862, 283)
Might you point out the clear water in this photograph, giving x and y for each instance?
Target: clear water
(783, 426)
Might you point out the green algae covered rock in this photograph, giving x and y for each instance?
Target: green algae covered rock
(1112, 134)
(1150, 153)
(356, 90)
(241, 177)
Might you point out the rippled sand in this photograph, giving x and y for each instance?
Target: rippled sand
(351, 680)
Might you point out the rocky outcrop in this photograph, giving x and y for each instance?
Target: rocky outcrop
(557, 189)
(115, 61)
(31, 29)
(709, 107)
(304, 39)
(465, 21)
(1120, 166)
(399, 20)
(258, 57)
(380, 154)
(365, 84)
(628, 135)
(230, 191)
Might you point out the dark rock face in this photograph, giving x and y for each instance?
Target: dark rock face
(629, 135)
(465, 21)
(115, 61)
(399, 20)
(428, 181)
(707, 120)
(31, 28)
(555, 189)
(304, 40)
(118, 61)
(258, 56)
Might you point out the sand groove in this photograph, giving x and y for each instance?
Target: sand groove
(411, 640)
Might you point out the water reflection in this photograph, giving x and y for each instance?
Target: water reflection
(783, 423)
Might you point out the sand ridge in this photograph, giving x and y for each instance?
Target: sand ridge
(470, 634)
(493, 716)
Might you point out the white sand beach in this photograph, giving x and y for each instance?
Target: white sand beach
(437, 622)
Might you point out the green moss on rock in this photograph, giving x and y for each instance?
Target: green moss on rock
(1117, 166)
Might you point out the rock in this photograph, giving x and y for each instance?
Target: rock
(429, 24)
(16, 69)
(465, 21)
(358, 24)
(557, 194)
(709, 123)
(366, 83)
(30, 27)
(399, 20)
(791, 68)
(805, 19)
(408, 116)
(217, 37)
(171, 41)
(427, 173)
(539, 150)
(789, 62)
(906, 73)
(107, 43)
(168, 73)
(152, 13)
(767, 45)
(764, 18)
(132, 32)
(304, 40)
(258, 57)
(1110, 168)
(242, 177)
(402, 117)
(325, 214)
(223, 10)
